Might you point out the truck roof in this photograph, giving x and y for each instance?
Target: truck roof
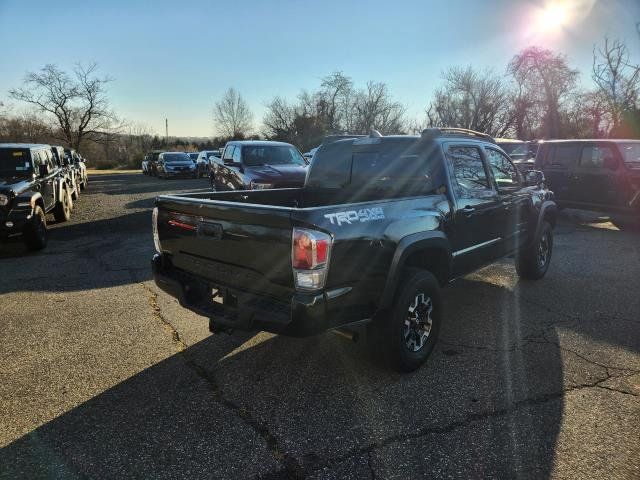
(258, 143)
(580, 140)
(24, 145)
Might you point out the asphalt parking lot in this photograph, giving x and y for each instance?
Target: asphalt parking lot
(103, 376)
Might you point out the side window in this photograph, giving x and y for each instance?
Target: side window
(35, 158)
(504, 172)
(594, 156)
(46, 158)
(468, 170)
(562, 155)
(236, 155)
(228, 152)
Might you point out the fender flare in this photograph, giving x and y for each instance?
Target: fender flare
(408, 245)
(548, 207)
(33, 198)
(60, 185)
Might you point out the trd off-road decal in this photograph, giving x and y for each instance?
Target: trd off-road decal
(355, 216)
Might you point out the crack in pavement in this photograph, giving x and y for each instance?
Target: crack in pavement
(290, 466)
(293, 468)
(370, 464)
(166, 324)
(469, 419)
(588, 360)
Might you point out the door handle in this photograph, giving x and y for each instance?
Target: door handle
(468, 210)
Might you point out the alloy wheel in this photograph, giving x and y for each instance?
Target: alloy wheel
(417, 324)
(543, 250)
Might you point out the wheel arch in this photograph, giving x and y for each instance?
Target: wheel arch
(36, 199)
(549, 213)
(429, 251)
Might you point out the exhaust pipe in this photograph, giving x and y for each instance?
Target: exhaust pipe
(347, 334)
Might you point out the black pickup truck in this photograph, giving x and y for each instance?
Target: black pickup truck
(379, 226)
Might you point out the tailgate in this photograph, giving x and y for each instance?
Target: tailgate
(230, 244)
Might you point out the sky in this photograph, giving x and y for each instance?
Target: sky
(175, 59)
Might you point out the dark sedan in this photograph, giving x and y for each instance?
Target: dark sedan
(257, 165)
(175, 164)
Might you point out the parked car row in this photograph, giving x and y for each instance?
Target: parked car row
(35, 180)
(601, 175)
(172, 164)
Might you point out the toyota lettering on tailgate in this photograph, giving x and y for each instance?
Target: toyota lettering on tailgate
(355, 216)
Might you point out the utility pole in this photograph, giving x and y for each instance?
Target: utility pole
(166, 129)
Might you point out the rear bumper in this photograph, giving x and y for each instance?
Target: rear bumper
(303, 315)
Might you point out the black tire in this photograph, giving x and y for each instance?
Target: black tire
(35, 235)
(533, 261)
(62, 212)
(404, 337)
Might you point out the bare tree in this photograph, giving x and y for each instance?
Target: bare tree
(617, 80)
(76, 102)
(279, 120)
(545, 80)
(232, 115)
(373, 108)
(27, 127)
(478, 100)
(336, 107)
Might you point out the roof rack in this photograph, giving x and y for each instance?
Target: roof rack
(335, 138)
(438, 132)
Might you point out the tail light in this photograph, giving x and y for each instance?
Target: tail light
(154, 226)
(310, 258)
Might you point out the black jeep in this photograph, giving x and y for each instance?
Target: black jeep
(379, 226)
(77, 163)
(31, 185)
(72, 178)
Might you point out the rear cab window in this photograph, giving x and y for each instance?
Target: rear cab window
(392, 168)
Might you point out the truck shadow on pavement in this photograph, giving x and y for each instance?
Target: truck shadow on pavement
(488, 403)
(84, 255)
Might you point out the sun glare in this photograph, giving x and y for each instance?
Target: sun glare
(552, 17)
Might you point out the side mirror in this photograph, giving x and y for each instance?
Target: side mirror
(533, 178)
(43, 169)
(610, 163)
